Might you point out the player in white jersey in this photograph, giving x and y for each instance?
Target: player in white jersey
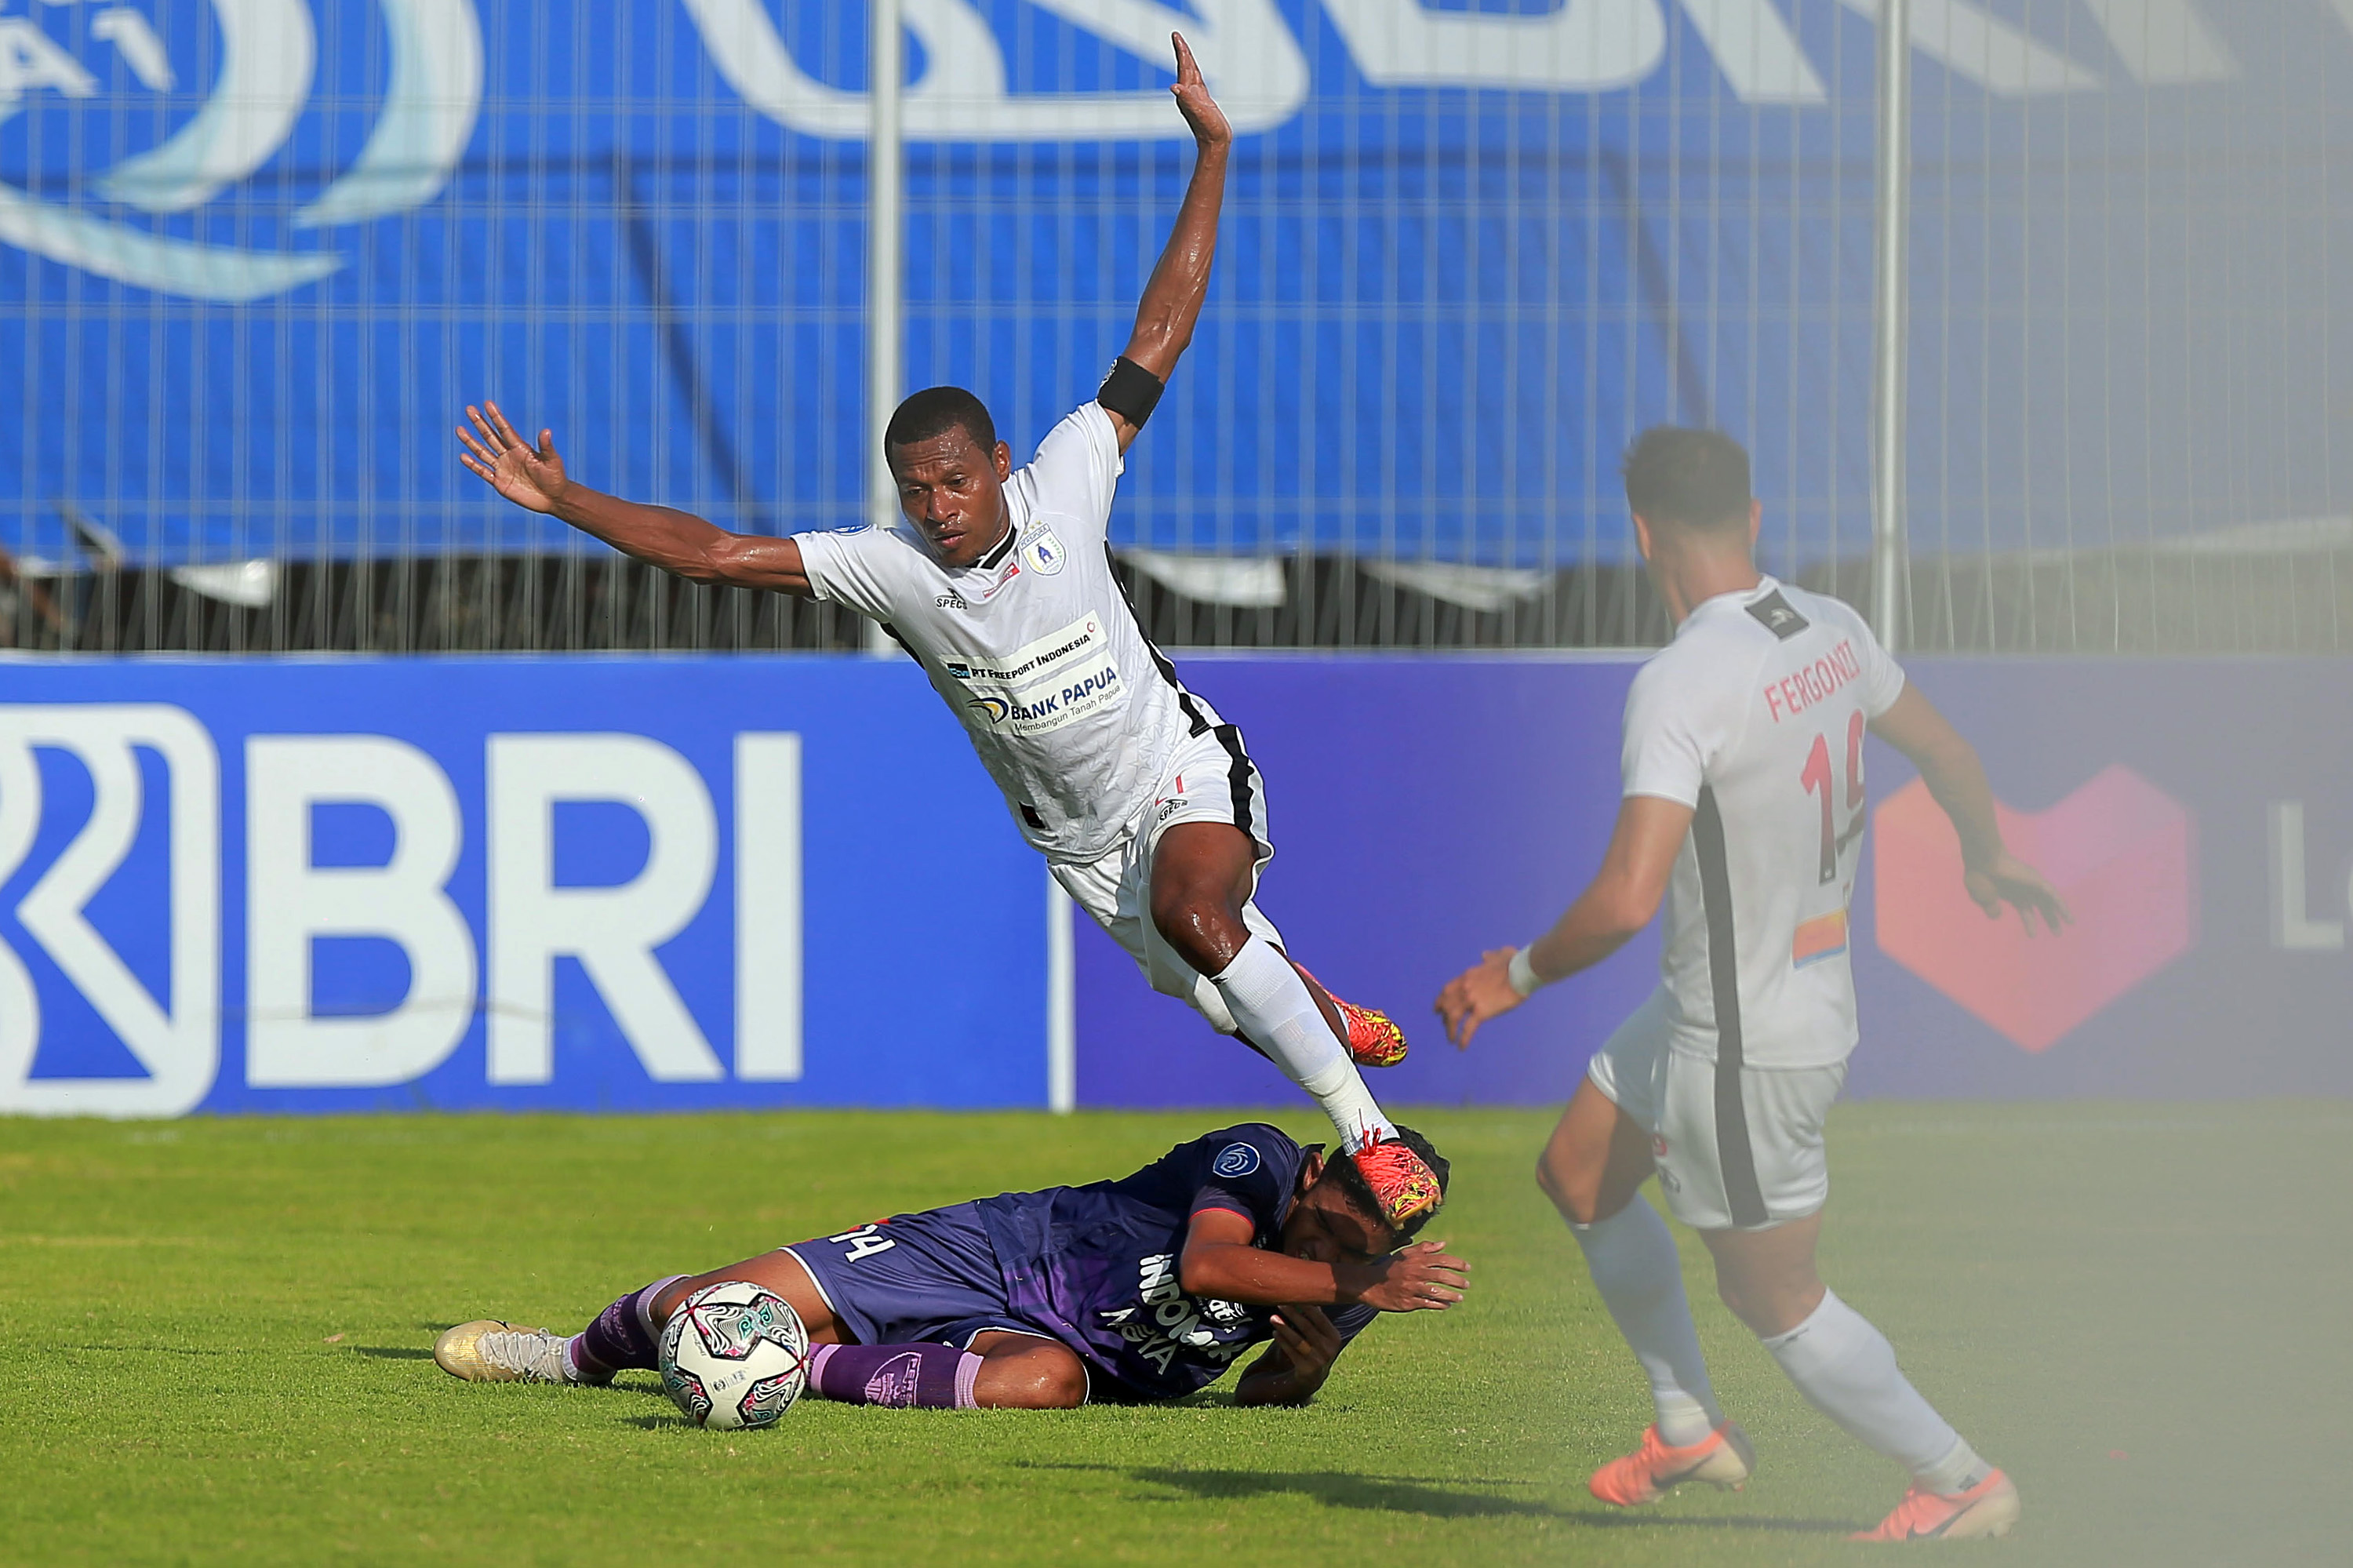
(1744, 811)
(1144, 801)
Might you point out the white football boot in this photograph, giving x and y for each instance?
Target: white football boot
(488, 1351)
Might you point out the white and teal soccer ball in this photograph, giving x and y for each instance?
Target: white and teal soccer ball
(735, 1355)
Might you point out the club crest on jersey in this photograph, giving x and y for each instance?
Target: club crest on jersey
(1235, 1160)
(1044, 553)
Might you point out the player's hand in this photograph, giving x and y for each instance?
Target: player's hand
(1423, 1278)
(530, 477)
(2010, 880)
(1194, 102)
(1478, 994)
(1308, 1341)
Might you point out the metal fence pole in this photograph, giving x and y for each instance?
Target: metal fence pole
(1889, 304)
(885, 276)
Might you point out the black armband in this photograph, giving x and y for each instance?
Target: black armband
(1130, 391)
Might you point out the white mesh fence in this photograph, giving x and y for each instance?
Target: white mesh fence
(256, 255)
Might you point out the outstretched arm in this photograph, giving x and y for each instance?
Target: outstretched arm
(534, 478)
(1172, 300)
(1949, 766)
(1619, 901)
(1220, 1263)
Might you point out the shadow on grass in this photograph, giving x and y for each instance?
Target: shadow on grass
(1336, 1489)
(393, 1353)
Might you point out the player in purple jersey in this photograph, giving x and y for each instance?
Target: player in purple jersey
(1146, 1287)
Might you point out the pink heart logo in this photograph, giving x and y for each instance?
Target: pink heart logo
(2121, 852)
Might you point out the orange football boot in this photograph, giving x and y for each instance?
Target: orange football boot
(1374, 1038)
(1989, 1507)
(1405, 1187)
(1722, 1458)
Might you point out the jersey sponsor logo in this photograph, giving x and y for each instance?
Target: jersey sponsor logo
(1773, 614)
(1235, 1160)
(1823, 937)
(2124, 855)
(1044, 553)
(1164, 1320)
(951, 601)
(1808, 685)
(1058, 680)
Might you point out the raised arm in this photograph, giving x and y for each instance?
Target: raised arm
(1949, 766)
(1172, 300)
(533, 479)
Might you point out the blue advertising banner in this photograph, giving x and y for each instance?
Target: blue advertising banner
(655, 884)
(575, 884)
(2194, 814)
(256, 255)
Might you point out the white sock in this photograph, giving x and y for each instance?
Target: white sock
(1848, 1370)
(645, 1307)
(1634, 1265)
(1272, 1006)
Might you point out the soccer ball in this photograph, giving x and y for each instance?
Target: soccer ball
(734, 1355)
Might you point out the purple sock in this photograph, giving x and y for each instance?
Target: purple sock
(936, 1377)
(621, 1337)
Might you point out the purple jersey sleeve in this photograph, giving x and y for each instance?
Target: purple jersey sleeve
(1249, 1170)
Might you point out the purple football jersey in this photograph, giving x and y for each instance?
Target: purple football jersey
(1097, 1263)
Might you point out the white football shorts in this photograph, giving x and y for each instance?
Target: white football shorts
(1211, 780)
(1736, 1150)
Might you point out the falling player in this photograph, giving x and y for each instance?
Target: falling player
(1148, 1287)
(1144, 802)
(1744, 809)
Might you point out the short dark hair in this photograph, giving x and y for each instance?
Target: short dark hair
(1342, 1168)
(936, 410)
(1697, 477)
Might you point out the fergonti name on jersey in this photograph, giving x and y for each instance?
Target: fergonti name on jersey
(1058, 680)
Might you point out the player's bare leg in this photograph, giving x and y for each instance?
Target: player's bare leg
(1593, 1169)
(1022, 1371)
(1847, 1368)
(778, 1271)
(623, 1336)
(1203, 874)
(1596, 1160)
(1198, 889)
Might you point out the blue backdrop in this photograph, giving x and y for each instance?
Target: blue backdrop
(921, 932)
(1425, 811)
(666, 884)
(254, 255)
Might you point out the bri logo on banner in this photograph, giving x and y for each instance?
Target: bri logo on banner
(111, 929)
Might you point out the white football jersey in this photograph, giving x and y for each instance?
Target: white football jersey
(1074, 712)
(1753, 716)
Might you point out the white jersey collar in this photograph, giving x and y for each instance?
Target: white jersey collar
(1738, 598)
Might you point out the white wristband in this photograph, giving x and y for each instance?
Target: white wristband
(1523, 972)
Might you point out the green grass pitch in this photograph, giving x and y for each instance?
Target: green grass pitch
(214, 1348)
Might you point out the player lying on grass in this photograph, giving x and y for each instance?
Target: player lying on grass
(1144, 802)
(1744, 811)
(1146, 1287)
